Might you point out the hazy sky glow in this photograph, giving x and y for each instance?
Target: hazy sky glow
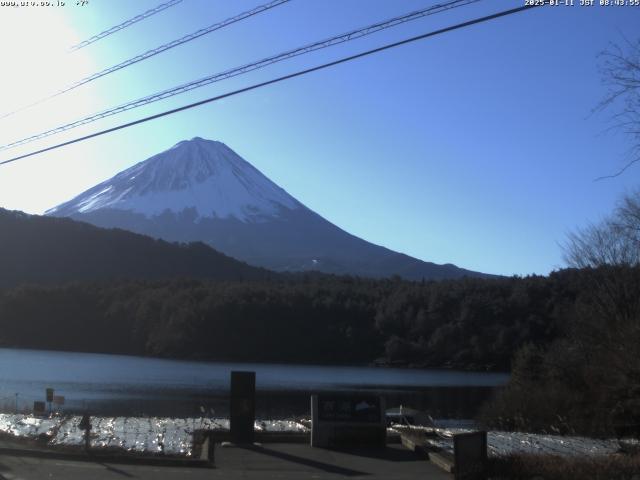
(477, 147)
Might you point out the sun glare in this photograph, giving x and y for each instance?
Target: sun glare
(37, 63)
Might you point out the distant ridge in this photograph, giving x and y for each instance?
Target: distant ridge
(201, 190)
(36, 249)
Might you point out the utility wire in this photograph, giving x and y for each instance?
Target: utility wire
(125, 24)
(338, 39)
(155, 51)
(278, 79)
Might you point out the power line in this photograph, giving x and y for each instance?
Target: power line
(278, 79)
(338, 39)
(155, 51)
(125, 24)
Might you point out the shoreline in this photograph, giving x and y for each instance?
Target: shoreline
(199, 359)
(177, 436)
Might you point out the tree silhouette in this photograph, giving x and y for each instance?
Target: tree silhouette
(620, 71)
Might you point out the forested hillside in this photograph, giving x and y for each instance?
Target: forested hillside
(469, 323)
(36, 249)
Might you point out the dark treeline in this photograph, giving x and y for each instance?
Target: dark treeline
(469, 323)
(587, 380)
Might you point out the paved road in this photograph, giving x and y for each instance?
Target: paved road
(272, 461)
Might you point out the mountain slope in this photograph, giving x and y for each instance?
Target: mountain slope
(202, 190)
(206, 177)
(36, 249)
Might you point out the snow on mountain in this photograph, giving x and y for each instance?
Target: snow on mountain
(198, 174)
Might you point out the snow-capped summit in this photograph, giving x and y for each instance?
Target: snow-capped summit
(201, 190)
(198, 174)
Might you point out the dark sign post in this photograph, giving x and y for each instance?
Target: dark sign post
(243, 407)
(470, 456)
(85, 424)
(49, 397)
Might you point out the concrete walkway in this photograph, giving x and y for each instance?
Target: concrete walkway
(271, 461)
(290, 461)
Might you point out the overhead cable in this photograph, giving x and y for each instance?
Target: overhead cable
(155, 51)
(125, 24)
(216, 77)
(275, 80)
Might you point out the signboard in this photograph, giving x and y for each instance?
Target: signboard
(39, 408)
(58, 400)
(49, 394)
(348, 421)
(242, 408)
(470, 456)
(334, 408)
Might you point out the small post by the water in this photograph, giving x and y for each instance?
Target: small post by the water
(58, 401)
(85, 424)
(16, 402)
(49, 392)
(242, 407)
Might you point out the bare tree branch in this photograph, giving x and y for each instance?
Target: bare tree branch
(620, 72)
(615, 241)
(619, 172)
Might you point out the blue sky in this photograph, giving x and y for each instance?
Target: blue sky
(477, 147)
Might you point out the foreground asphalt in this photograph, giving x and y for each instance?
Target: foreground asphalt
(270, 461)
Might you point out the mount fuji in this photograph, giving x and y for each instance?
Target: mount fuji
(201, 190)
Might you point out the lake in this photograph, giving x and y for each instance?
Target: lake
(119, 384)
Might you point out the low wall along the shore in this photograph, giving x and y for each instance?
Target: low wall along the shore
(174, 436)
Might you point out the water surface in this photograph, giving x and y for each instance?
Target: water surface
(88, 378)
